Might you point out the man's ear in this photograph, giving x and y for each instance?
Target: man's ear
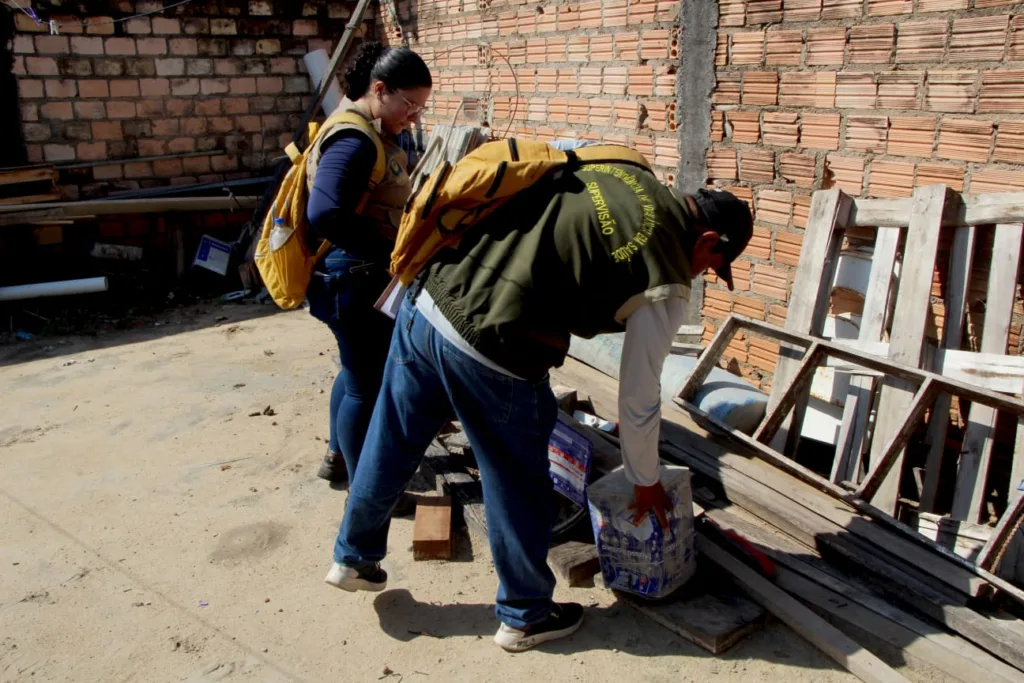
(707, 240)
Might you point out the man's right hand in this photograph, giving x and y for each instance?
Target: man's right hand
(648, 498)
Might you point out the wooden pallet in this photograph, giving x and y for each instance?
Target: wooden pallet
(926, 387)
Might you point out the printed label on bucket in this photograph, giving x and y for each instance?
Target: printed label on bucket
(569, 455)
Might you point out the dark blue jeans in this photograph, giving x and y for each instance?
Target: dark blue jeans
(508, 422)
(342, 295)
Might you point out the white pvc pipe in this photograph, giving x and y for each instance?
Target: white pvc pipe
(61, 288)
(316, 64)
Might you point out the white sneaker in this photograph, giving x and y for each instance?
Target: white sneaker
(564, 620)
(373, 579)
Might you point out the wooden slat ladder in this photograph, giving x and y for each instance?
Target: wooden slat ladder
(812, 288)
(960, 262)
(853, 428)
(906, 343)
(969, 494)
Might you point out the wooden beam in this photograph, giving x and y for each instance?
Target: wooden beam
(27, 174)
(575, 562)
(853, 602)
(708, 359)
(900, 571)
(971, 209)
(853, 428)
(894, 447)
(432, 530)
(788, 609)
(969, 494)
(1009, 525)
(800, 380)
(906, 343)
(960, 262)
(812, 287)
(714, 620)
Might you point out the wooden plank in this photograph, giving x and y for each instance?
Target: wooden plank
(971, 209)
(850, 442)
(992, 371)
(708, 359)
(969, 494)
(30, 199)
(961, 260)
(811, 290)
(1009, 525)
(816, 630)
(575, 562)
(907, 643)
(861, 607)
(28, 174)
(906, 342)
(898, 442)
(432, 530)
(714, 620)
(797, 384)
(897, 578)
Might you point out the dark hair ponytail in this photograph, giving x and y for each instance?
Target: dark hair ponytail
(398, 68)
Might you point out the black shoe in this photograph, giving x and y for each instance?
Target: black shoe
(564, 620)
(406, 505)
(350, 579)
(333, 468)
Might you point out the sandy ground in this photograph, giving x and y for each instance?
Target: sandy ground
(151, 530)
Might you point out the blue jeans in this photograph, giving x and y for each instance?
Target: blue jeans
(341, 295)
(508, 422)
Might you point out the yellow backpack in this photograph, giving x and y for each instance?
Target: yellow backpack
(457, 197)
(283, 254)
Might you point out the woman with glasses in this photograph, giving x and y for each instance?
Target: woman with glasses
(389, 86)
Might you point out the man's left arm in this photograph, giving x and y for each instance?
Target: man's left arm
(650, 331)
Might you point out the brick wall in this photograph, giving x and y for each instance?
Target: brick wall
(875, 97)
(598, 70)
(206, 76)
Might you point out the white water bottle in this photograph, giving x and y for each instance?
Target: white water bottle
(279, 234)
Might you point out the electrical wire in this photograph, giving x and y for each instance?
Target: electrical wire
(31, 14)
(515, 80)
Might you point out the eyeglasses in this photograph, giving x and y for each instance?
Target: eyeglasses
(413, 108)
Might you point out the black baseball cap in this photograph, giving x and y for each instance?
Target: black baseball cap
(729, 216)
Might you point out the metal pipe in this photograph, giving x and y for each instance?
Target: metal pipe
(60, 288)
(103, 207)
(317, 63)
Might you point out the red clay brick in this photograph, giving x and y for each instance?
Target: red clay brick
(124, 88)
(787, 248)
(883, 8)
(184, 87)
(52, 45)
(763, 11)
(921, 41)
(41, 66)
(119, 46)
(996, 180)
(965, 140)
(1000, 92)
(91, 151)
(808, 89)
(801, 211)
(721, 163)
(846, 173)
(138, 169)
(60, 88)
(58, 153)
(825, 46)
(798, 169)
(1010, 143)
(867, 133)
(951, 91)
(841, 9)
(856, 90)
(978, 38)
(305, 27)
(183, 47)
(60, 111)
(757, 165)
(165, 127)
(781, 128)
(167, 168)
(744, 126)
(121, 110)
(871, 44)
(899, 89)
(90, 88)
(940, 174)
(783, 48)
(911, 136)
(760, 88)
(107, 130)
(86, 46)
(774, 206)
(271, 85)
(747, 48)
(214, 86)
(891, 179)
(152, 46)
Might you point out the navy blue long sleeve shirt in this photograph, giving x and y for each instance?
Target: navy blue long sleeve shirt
(340, 182)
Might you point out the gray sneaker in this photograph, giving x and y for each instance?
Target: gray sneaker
(333, 468)
(564, 620)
